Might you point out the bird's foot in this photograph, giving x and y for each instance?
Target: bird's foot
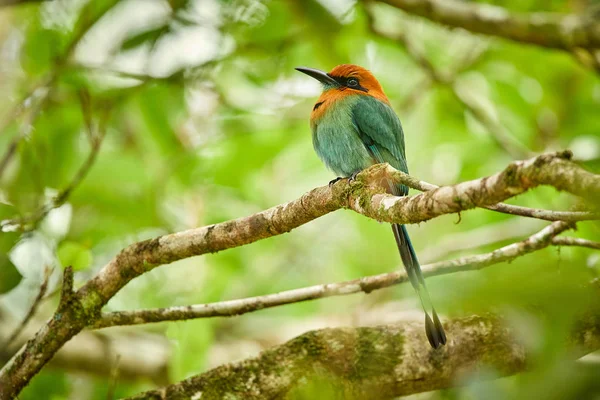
(352, 177)
(331, 182)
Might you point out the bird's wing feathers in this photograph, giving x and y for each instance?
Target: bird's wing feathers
(381, 132)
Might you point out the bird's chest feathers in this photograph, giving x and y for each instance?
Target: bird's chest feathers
(336, 138)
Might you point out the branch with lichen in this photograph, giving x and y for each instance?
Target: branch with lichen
(552, 30)
(81, 308)
(537, 213)
(553, 169)
(393, 361)
(367, 284)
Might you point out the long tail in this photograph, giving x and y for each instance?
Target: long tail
(433, 326)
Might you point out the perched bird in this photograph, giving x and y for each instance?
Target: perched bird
(353, 127)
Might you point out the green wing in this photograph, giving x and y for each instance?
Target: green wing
(381, 132)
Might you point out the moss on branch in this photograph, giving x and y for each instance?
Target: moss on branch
(370, 362)
(363, 195)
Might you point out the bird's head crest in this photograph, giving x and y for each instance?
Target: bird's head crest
(349, 79)
(355, 77)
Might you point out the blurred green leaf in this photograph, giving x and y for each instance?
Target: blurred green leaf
(275, 25)
(74, 254)
(149, 36)
(41, 49)
(91, 13)
(316, 16)
(233, 138)
(9, 275)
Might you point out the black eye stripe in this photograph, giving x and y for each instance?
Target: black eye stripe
(343, 81)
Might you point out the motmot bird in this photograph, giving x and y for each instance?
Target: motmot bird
(353, 127)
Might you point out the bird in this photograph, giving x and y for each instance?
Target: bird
(353, 127)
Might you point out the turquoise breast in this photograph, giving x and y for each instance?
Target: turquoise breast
(336, 139)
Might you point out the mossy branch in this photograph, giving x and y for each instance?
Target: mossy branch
(380, 362)
(363, 195)
(552, 169)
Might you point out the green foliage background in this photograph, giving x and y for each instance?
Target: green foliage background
(215, 127)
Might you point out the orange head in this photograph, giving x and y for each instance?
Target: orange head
(346, 79)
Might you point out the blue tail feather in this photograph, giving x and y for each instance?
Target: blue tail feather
(433, 326)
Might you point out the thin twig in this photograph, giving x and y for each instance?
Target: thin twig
(40, 89)
(547, 215)
(66, 290)
(99, 69)
(143, 356)
(571, 241)
(34, 102)
(537, 241)
(497, 131)
(537, 213)
(511, 229)
(47, 83)
(29, 221)
(364, 195)
(9, 153)
(96, 142)
(33, 309)
(465, 63)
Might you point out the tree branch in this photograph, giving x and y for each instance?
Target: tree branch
(41, 91)
(553, 169)
(33, 309)
(393, 360)
(367, 284)
(497, 131)
(547, 215)
(66, 290)
(363, 195)
(433, 76)
(560, 31)
(142, 356)
(571, 241)
(537, 213)
(33, 102)
(29, 221)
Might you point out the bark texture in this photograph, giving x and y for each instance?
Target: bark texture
(365, 363)
(561, 31)
(81, 308)
(366, 284)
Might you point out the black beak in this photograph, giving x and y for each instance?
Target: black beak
(319, 75)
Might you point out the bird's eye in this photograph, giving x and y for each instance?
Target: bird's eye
(352, 82)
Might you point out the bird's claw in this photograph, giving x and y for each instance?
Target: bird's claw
(331, 182)
(351, 178)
